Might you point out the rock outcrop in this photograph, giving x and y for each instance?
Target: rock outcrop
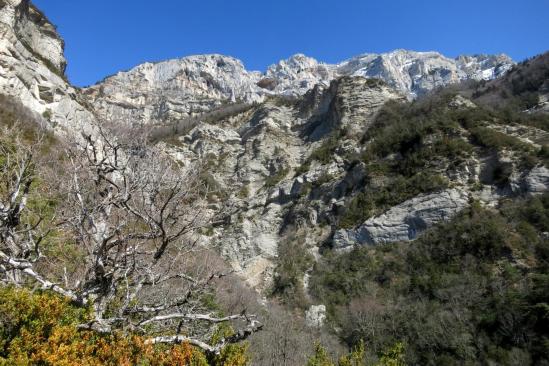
(405, 221)
(170, 90)
(416, 73)
(282, 150)
(315, 316)
(32, 67)
(537, 180)
(251, 160)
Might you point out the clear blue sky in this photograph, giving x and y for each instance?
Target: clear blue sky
(106, 36)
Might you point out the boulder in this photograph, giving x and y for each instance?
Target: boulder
(315, 316)
(405, 221)
(537, 180)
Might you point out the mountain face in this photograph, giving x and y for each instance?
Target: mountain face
(279, 146)
(32, 66)
(251, 162)
(379, 190)
(281, 160)
(164, 91)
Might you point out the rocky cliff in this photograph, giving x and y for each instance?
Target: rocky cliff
(165, 91)
(335, 153)
(283, 167)
(32, 66)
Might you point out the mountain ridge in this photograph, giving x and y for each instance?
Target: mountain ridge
(372, 194)
(176, 88)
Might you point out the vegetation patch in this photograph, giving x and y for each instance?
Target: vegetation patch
(41, 329)
(474, 290)
(272, 180)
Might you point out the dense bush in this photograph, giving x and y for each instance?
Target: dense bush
(41, 329)
(325, 152)
(490, 138)
(375, 200)
(292, 262)
(472, 291)
(412, 145)
(518, 89)
(393, 356)
(272, 180)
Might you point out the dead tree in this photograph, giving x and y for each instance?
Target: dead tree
(20, 236)
(133, 214)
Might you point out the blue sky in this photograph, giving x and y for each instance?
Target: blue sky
(106, 36)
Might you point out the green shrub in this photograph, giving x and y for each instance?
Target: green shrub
(490, 138)
(272, 180)
(41, 329)
(293, 260)
(325, 152)
(376, 200)
(455, 295)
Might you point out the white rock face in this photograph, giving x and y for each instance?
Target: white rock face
(156, 92)
(298, 74)
(405, 221)
(244, 152)
(32, 65)
(537, 180)
(416, 73)
(315, 316)
(174, 89)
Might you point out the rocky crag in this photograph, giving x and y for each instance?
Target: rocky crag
(288, 149)
(165, 91)
(32, 67)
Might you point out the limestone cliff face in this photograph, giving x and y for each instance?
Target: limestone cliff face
(32, 66)
(406, 221)
(417, 73)
(170, 90)
(271, 173)
(253, 162)
(174, 89)
(280, 149)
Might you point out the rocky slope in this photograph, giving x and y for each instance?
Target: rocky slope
(285, 167)
(32, 66)
(298, 152)
(165, 91)
(252, 162)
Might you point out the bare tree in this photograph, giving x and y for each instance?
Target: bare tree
(133, 213)
(20, 235)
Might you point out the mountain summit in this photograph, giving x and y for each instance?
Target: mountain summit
(157, 92)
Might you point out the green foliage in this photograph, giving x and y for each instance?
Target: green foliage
(232, 354)
(303, 168)
(292, 262)
(211, 188)
(325, 152)
(375, 200)
(543, 152)
(393, 356)
(490, 138)
(15, 115)
(272, 180)
(411, 145)
(401, 127)
(355, 357)
(320, 357)
(472, 291)
(244, 192)
(518, 89)
(47, 114)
